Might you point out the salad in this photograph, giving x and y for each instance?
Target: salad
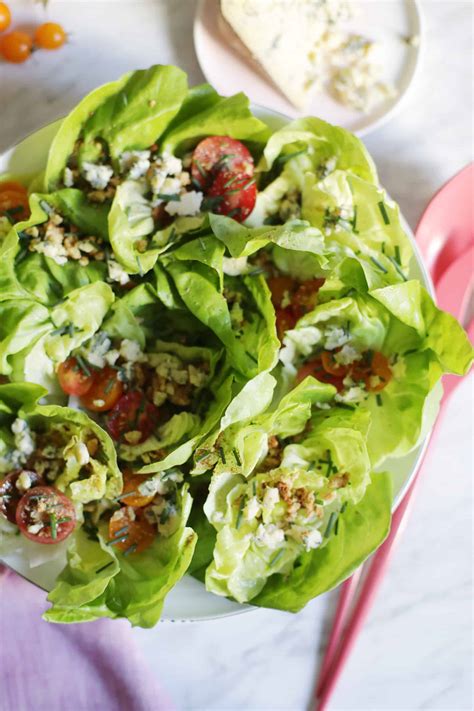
(210, 346)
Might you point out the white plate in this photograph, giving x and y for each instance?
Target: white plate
(230, 70)
(188, 601)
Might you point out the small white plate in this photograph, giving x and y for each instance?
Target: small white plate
(188, 601)
(230, 70)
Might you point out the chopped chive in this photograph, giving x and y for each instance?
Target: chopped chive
(336, 527)
(289, 156)
(383, 247)
(380, 266)
(200, 168)
(238, 520)
(221, 452)
(201, 456)
(107, 565)
(196, 183)
(202, 243)
(124, 496)
(383, 211)
(346, 406)
(121, 531)
(252, 357)
(235, 211)
(319, 502)
(331, 522)
(397, 254)
(231, 180)
(53, 522)
(254, 488)
(124, 99)
(354, 221)
(378, 397)
(344, 507)
(172, 235)
(21, 255)
(255, 272)
(130, 549)
(122, 539)
(82, 365)
(237, 457)
(169, 197)
(276, 557)
(109, 386)
(397, 267)
(140, 268)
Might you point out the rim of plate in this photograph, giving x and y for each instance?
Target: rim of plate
(419, 452)
(419, 27)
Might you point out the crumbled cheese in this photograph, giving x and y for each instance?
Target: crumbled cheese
(97, 348)
(131, 351)
(162, 185)
(34, 528)
(23, 482)
(112, 356)
(54, 251)
(234, 266)
(153, 486)
(189, 204)
(135, 163)
(170, 164)
(131, 513)
(348, 354)
(351, 396)
(311, 539)
(196, 377)
(271, 498)
(133, 436)
(269, 535)
(78, 449)
(252, 509)
(335, 337)
(24, 441)
(117, 272)
(68, 178)
(97, 175)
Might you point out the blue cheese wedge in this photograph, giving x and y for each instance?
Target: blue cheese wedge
(283, 36)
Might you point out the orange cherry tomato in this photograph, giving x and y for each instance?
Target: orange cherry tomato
(72, 378)
(315, 368)
(14, 204)
(130, 532)
(380, 368)
(131, 482)
(5, 17)
(104, 392)
(331, 366)
(279, 286)
(50, 35)
(16, 47)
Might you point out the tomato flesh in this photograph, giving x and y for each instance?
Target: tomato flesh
(233, 195)
(130, 531)
(72, 379)
(220, 153)
(374, 372)
(10, 493)
(302, 298)
(130, 485)
(14, 202)
(104, 392)
(285, 321)
(133, 413)
(315, 368)
(16, 47)
(5, 17)
(49, 35)
(45, 515)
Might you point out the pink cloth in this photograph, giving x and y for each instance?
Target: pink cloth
(51, 667)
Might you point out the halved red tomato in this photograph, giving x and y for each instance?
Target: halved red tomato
(72, 378)
(104, 392)
(11, 491)
(133, 413)
(14, 201)
(217, 153)
(280, 286)
(285, 320)
(233, 195)
(315, 368)
(331, 366)
(45, 515)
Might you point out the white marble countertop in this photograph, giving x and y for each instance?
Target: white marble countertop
(414, 652)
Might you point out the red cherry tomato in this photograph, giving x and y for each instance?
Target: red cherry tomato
(45, 515)
(132, 413)
(331, 366)
(234, 195)
(280, 286)
(130, 531)
(315, 368)
(104, 392)
(217, 153)
(50, 35)
(72, 379)
(285, 321)
(12, 185)
(5, 17)
(14, 202)
(11, 492)
(16, 47)
(306, 295)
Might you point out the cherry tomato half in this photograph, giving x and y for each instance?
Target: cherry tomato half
(306, 295)
(49, 35)
(5, 17)
(14, 203)
(285, 321)
(11, 491)
(234, 193)
(104, 392)
(16, 47)
(380, 373)
(45, 515)
(315, 368)
(280, 286)
(331, 366)
(131, 482)
(130, 531)
(217, 153)
(132, 413)
(12, 185)
(72, 379)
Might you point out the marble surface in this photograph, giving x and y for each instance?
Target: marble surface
(415, 650)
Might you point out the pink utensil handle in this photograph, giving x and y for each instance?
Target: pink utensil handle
(348, 589)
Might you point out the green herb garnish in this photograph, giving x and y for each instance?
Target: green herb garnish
(237, 457)
(378, 265)
(169, 197)
(53, 522)
(221, 452)
(383, 211)
(276, 557)
(331, 522)
(107, 565)
(240, 512)
(82, 365)
(378, 398)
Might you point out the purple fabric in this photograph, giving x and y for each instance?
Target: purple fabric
(51, 667)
